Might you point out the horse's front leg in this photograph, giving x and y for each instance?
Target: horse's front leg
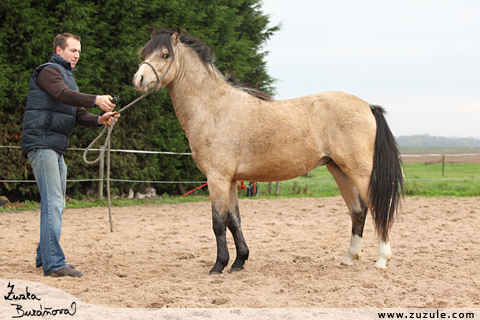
(235, 227)
(219, 194)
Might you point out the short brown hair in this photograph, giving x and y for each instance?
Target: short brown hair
(61, 40)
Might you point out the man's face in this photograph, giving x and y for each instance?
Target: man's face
(72, 51)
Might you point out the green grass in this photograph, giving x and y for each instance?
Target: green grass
(424, 180)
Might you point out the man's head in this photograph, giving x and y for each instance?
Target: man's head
(67, 46)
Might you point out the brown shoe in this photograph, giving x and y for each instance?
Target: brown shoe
(67, 271)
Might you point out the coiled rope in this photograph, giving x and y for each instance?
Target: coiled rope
(106, 145)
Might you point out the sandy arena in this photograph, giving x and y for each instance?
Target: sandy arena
(159, 256)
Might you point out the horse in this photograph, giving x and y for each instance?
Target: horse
(285, 139)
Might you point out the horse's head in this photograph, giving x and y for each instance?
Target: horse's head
(158, 68)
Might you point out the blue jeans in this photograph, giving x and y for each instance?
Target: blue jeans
(51, 175)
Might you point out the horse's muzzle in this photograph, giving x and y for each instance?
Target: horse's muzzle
(138, 83)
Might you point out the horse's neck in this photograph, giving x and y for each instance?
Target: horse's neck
(195, 90)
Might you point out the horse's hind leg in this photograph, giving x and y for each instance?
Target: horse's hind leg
(357, 209)
(234, 225)
(354, 189)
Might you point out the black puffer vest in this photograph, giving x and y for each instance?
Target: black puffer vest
(48, 123)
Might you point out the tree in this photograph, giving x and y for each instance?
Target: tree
(112, 32)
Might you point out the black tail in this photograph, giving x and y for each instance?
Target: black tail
(386, 187)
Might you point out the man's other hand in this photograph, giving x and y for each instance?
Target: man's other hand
(104, 103)
(107, 118)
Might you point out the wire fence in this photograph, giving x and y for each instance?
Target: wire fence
(118, 180)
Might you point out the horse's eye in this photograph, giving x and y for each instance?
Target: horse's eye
(165, 56)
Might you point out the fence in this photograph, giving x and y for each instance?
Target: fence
(101, 179)
(427, 158)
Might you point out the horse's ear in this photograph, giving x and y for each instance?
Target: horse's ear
(153, 33)
(175, 38)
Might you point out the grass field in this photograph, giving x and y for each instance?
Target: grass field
(426, 180)
(423, 180)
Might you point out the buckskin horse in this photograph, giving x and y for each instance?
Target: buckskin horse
(285, 139)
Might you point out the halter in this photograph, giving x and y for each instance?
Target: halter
(159, 79)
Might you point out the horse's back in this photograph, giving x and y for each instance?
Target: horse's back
(333, 116)
(288, 138)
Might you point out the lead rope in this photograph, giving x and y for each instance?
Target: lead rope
(106, 145)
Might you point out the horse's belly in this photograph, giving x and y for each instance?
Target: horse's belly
(265, 177)
(277, 169)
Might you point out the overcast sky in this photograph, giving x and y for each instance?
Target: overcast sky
(420, 59)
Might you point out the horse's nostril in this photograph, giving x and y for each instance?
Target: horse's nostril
(138, 80)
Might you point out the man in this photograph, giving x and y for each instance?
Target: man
(54, 104)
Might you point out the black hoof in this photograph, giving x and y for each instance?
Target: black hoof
(214, 273)
(232, 270)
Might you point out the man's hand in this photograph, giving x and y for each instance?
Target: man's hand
(107, 118)
(104, 103)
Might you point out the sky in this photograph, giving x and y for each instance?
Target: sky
(419, 59)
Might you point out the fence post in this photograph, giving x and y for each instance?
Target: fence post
(443, 166)
(100, 183)
(277, 189)
(270, 187)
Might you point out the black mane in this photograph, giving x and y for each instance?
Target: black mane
(234, 82)
(160, 38)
